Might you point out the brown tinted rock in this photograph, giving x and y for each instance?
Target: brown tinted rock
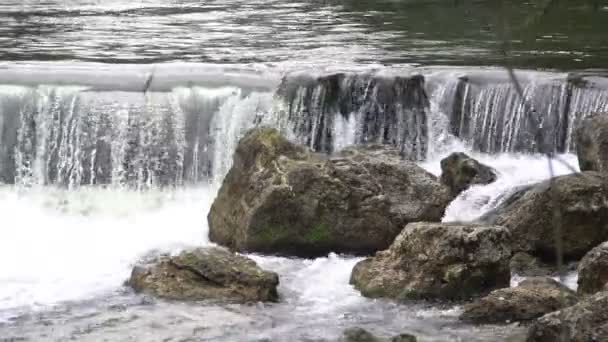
(581, 200)
(206, 273)
(586, 321)
(362, 335)
(437, 261)
(280, 198)
(592, 143)
(593, 270)
(459, 172)
(526, 265)
(533, 298)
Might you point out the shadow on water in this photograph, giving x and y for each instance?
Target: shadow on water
(568, 35)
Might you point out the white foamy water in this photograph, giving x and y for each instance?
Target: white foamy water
(513, 171)
(62, 245)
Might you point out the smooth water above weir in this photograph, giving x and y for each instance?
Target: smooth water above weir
(184, 128)
(570, 36)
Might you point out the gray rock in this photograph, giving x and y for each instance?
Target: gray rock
(593, 270)
(437, 261)
(586, 321)
(582, 203)
(280, 198)
(526, 265)
(592, 143)
(459, 172)
(362, 335)
(533, 298)
(206, 273)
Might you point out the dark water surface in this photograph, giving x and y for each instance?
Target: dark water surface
(571, 35)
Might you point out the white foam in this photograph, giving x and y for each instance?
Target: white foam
(68, 245)
(513, 170)
(320, 285)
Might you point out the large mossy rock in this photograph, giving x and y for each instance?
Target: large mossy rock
(532, 298)
(206, 273)
(280, 198)
(592, 143)
(362, 335)
(580, 199)
(593, 270)
(586, 321)
(437, 261)
(459, 172)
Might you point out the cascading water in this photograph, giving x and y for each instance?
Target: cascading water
(71, 136)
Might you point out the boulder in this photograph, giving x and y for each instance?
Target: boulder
(531, 299)
(592, 143)
(525, 265)
(206, 273)
(280, 198)
(582, 203)
(586, 321)
(437, 261)
(593, 270)
(459, 172)
(362, 335)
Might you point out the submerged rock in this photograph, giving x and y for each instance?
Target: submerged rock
(582, 204)
(593, 270)
(280, 198)
(206, 273)
(437, 261)
(592, 143)
(586, 321)
(362, 335)
(459, 172)
(533, 298)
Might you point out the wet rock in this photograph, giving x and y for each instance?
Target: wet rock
(592, 143)
(437, 261)
(362, 335)
(593, 270)
(280, 198)
(206, 273)
(459, 172)
(586, 321)
(533, 298)
(526, 265)
(581, 200)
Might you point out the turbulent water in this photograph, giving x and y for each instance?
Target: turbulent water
(118, 121)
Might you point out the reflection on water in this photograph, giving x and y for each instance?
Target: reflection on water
(570, 36)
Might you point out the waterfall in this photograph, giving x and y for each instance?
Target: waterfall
(72, 136)
(186, 134)
(374, 109)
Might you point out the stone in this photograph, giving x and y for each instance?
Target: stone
(444, 261)
(525, 265)
(581, 201)
(362, 335)
(532, 298)
(592, 143)
(593, 270)
(206, 273)
(586, 321)
(280, 198)
(459, 172)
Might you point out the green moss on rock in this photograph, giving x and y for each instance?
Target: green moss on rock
(319, 233)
